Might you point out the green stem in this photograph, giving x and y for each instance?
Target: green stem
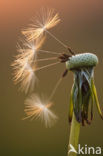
(74, 136)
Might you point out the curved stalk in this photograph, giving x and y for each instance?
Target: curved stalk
(74, 137)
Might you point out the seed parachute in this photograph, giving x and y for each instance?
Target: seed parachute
(39, 108)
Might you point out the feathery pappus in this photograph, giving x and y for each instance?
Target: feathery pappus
(35, 107)
(24, 74)
(29, 79)
(24, 65)
(29, 50)
(46, 20)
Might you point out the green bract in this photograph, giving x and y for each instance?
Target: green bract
(83, 93)
(81, 60)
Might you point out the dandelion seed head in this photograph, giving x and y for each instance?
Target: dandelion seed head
(82, 60)
(45, 21)
(39, 108)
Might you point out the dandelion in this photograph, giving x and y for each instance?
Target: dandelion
(83, 93)
(39, 108)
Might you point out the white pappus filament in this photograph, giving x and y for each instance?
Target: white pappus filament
(35, 107)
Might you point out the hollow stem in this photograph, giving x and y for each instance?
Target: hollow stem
(74, 137)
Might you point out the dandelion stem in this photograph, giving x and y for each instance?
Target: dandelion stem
(65, 46)
(49, 65)
(74, 136)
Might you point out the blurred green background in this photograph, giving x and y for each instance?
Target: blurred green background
(82, 29)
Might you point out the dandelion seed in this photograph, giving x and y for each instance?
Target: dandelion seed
(28, 79)
(29, 49)
(23, 64)
(46, 20)
(37, 108)
(24, 73)
(19, 66)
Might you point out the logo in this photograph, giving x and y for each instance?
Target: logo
(72, 149)
(85, 150)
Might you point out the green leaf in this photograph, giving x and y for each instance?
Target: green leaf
(96, 98)
(71, 105)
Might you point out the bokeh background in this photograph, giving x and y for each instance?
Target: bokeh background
(82, 29)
